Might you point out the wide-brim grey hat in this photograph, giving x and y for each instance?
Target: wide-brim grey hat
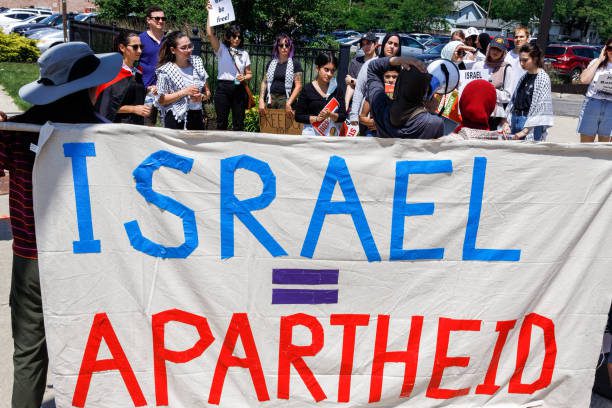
(68, 68)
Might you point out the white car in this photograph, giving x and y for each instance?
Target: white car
(48, 39)
(10, 17)
(7, 26)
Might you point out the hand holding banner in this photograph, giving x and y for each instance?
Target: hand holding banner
(222, 12)
(324, 128)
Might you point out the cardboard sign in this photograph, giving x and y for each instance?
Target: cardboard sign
(604, 83)
(349, 130)
(467, 76)
(192, 269)
(222, 12)
(275, 121)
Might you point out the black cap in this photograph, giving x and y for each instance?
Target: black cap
(369, 36)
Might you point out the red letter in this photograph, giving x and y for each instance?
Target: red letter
(350, 323)
(288, 354)
(161, 354)
(488, 386)
(410, 357)
(239, 327)
(441, 360)
(522, 354)
(101, 328)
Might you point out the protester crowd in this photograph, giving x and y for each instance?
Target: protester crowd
(155, 72)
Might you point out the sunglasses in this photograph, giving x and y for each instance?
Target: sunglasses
(284, 45)
(236, 36)
(136, 46)
(158, 18)
(609, 48)
(186, 47)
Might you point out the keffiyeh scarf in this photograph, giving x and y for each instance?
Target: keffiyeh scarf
(170, 80)
(288, 77)
(541, 109)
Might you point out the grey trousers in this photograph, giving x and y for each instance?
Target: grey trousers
(30, 359)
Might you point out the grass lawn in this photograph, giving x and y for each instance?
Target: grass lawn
(13, 75)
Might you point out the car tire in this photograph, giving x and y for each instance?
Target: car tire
(575, 75)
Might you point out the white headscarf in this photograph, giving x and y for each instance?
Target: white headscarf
(449, 49)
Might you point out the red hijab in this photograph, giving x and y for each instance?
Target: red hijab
(476, 104)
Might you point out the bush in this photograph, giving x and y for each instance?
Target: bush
(15, 48)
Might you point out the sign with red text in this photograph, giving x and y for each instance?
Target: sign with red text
(327, 127)
(222, 12)
(190, 269)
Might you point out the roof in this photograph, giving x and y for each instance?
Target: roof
(480, 23)
(460, 5)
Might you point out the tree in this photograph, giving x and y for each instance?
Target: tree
(399, 15)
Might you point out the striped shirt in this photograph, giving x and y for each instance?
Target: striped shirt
(16, 157)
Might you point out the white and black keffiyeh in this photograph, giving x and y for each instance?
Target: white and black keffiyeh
(541, 109)
(170, 80)
(288, 77)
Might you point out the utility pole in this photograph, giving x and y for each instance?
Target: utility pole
(487, 17)
(65, 20)
(545, 22)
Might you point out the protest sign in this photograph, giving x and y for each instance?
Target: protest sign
(467, 76)
(604, 83)
(222, 12)
(195, 268)
(327, 127)
(275, 121)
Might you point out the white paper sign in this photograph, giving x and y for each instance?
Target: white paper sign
(191, 269)
(222, 12)
(467, 76)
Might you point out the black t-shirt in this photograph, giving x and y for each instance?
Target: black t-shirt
(524, 93)
(278, 82)
(310, 103)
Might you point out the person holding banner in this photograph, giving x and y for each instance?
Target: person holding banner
(530, 110)
(69, 75)
(181, 84)
(502, 78)
(319, 106)
(282, 83)
(596, 114)
(121, 100)
(234, 72)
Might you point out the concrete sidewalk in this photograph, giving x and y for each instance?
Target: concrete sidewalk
(6, 103)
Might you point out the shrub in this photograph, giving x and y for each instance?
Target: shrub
(15, 48)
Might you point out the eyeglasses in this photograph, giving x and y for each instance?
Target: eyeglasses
(136, 46)
(186, 47)
(158, 18)
(236, 36)
(284, 46)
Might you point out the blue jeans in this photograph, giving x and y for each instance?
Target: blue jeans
(518, 123)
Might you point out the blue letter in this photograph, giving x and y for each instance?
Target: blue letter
(79, 152)
(143, 175)
(337, 172)
(231, 206)
(470, 252)
(402, 210)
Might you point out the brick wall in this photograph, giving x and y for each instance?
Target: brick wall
(54, 5)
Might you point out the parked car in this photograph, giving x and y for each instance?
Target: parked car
(570, 60)
(10, 17)
(410, 46)
(49, 39)
(338, 34)
(34, 10)
(420, 37)
(36, 33)
(7, 27)
(437, 40)
(431, 54)
(86, 17)
(353, 42)
(49, 21)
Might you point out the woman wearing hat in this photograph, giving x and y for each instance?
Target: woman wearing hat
(282, 83)
(501, 76)
(121, 100)
(457, 51)
(181, 84)
(69, 75)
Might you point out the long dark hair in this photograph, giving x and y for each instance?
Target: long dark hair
(231, 31)
(123, 38)
(484, 40)
(325, 58)
(280, 38)
(381, 51)
(165, 54)
(535, 53)
(604, 62)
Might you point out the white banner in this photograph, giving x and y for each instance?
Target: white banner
(222, 12)
(467, 76)
(188, 268)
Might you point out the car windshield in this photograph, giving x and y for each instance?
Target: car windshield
(555, 50)
(80, 17)
(47, 20)
(435, 50)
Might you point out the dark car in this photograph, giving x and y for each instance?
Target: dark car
(430, 54)
(437, 40)
(570, 60)
(50, 21)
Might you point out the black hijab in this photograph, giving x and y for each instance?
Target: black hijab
(483, 40)
(410, 89)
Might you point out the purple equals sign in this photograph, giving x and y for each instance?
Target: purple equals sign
(306, 277)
